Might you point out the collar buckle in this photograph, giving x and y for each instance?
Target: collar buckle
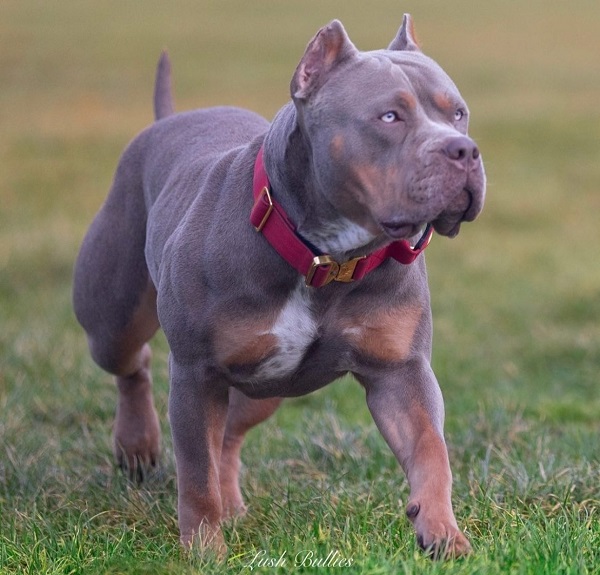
(346, 273)
(325, 264)
(326, 270)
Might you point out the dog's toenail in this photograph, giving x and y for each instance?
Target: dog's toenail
(413, 510)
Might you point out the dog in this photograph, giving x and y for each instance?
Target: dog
(277, 258)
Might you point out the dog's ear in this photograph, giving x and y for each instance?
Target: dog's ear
(406, 38)
(326, 50)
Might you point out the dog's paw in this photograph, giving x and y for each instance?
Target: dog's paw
(229, 474)
(231, 496)
(206, 540)
(233, 508)
(451, 545)
(136, 443)
(437, 535)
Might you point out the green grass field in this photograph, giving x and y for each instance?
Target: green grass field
(516, 297)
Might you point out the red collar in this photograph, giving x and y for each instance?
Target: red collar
(268, 217)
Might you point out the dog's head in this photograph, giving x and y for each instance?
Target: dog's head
(388, 135)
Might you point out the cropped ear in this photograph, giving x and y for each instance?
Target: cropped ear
(326, 50)
(406, 38)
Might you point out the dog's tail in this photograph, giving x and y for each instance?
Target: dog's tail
(163, 99)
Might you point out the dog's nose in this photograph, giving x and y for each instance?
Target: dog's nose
(461, 149)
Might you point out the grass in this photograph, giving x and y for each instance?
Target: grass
(516, 297)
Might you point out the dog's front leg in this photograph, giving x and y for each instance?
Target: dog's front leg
(198, 412)
(408, 409)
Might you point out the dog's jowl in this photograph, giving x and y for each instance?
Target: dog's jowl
(278, 257)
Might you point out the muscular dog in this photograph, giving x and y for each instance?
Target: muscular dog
(278, 257)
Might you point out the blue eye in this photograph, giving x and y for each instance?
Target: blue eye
(390, 117)
(459, 115)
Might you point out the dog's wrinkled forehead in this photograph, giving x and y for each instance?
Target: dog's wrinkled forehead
(421, 70)
(424, 77)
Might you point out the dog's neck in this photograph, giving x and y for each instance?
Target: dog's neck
(294, 185)
(290, 173)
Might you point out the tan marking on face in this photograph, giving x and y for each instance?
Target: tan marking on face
(366, 177)
(386, 335)
(337, 146)
(366, 183)
(443, 102)
(376, 186)
(244, 341)
(409, 100)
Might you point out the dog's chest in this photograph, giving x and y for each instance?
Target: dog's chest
(269, 345)
(299, 338)
(295, 328)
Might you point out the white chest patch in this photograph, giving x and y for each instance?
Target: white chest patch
(340, 236)
(294, 329)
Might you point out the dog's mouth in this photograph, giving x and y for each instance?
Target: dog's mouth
(399, 229)
(446, 228)
(448, 222)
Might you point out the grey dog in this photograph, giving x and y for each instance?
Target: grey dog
(344, 186)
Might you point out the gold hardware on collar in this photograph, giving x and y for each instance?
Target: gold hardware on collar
(347, 270)
(263, 192)
(319, 261)
(336, 272)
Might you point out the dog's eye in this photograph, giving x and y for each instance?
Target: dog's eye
(390, 117)
(459, 115)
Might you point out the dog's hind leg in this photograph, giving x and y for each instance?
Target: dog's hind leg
(243, 413)
(115, 302)
(136, 433)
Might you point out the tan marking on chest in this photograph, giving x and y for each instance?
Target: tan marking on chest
(244, 341)
(385, 335)
(274, 342)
